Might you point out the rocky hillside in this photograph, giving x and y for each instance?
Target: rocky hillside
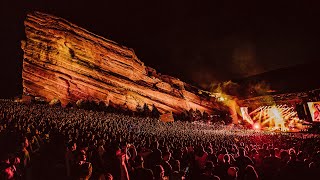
(66, 62)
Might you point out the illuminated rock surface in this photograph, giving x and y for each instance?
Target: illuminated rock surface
(66, 62)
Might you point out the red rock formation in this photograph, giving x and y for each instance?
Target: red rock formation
(66, 62)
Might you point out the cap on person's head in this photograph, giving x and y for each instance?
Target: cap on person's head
(232, 171)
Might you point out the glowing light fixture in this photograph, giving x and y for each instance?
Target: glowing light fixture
(256, 126)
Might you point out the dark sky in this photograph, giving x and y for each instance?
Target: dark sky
(200, 42)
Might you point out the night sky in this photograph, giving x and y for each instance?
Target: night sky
(200, 42)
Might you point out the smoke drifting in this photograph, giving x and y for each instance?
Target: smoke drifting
(229, 93)
(225, 93)
(228, 88)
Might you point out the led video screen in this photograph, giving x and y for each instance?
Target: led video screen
(314, 108)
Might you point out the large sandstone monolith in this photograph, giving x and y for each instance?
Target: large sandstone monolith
(66, 62)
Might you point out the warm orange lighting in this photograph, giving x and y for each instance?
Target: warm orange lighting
(79, 65)
(256, 126)
(277, 117)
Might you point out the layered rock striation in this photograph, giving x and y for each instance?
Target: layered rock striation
(66, 62)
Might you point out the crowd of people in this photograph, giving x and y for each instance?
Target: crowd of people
(38, 142)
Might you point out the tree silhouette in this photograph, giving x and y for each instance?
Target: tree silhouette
(146, 111)
(102, 106)
(155, 112)
(198, 115)
(70, 105)
(191, 115)
(205, 116)
(139, 110)
(184, 116)
(110, 107)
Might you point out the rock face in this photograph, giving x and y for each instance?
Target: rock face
(66, 62)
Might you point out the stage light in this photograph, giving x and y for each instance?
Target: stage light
(256, 126)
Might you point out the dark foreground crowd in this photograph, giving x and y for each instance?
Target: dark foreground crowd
(39, 142)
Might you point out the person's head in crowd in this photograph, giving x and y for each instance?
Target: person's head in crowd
(25, 142)
(114, 150)
(232, 172)
(157, 155)
(220, 158)
(200, 148)
(284, 156)
(14, 160)
(246, 149)
(190, 148)
(300, 156)
(6, 172)
(241, 145)
(82, 156)
(85, 171)
(155, 145)
(226, 159)
(139, 162)
(72, 146)
(36, 131)
(250, 173)
(223, 151)
(317, 157)
(166, 156)
(209, 166)
(176, 165)
(254, 152)
(165, 148)
(158, 172)
(265, 146)
(176, 176)
(216, 178)
(267, 153)
(312, 166)
(272, 152)
(242, 151)
(84, 146)
(209, 150)
(292, 154)
(109, 176)
(277, 152)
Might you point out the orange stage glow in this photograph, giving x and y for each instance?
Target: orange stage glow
(256, 126)
(274, 118)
